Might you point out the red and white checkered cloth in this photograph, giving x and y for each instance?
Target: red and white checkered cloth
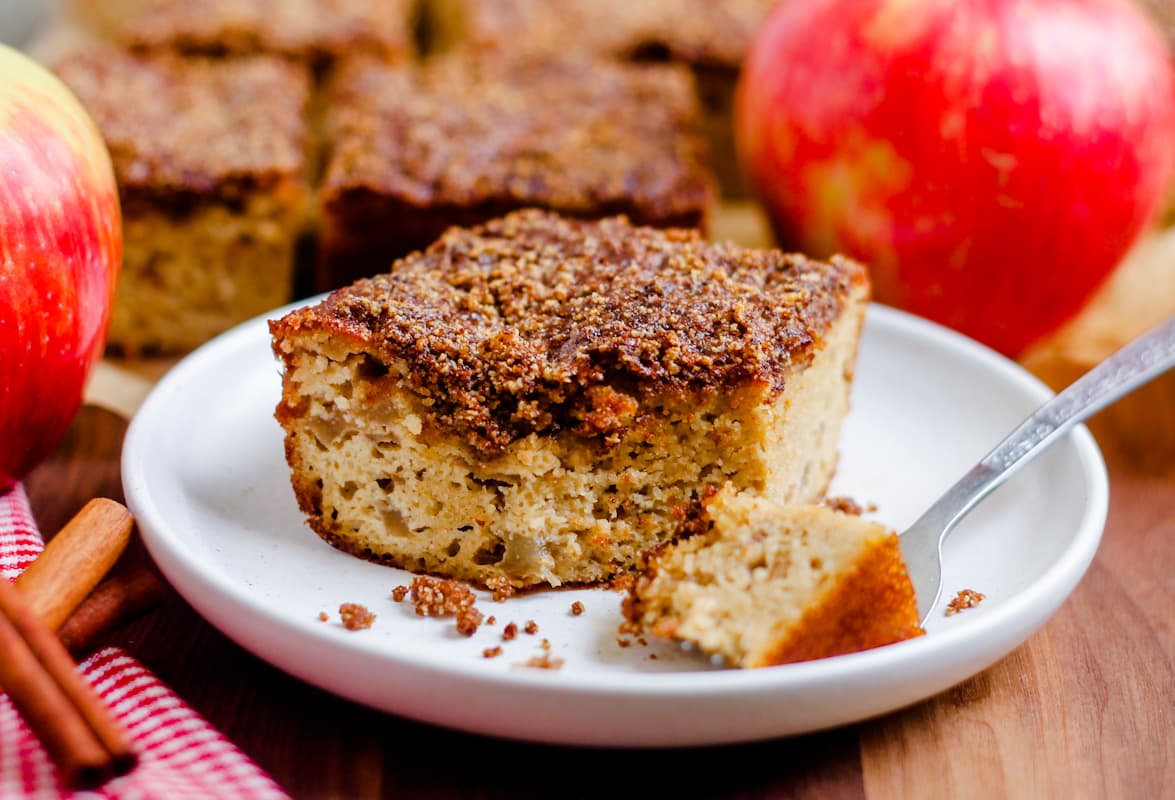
(181, 756)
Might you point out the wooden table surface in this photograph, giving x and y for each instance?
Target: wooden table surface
(1086, 708)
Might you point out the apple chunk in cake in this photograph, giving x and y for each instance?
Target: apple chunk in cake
(535, 401)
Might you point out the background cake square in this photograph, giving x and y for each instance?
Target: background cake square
(210, 159)
(316, 31)
(412, 151)
(711, 37)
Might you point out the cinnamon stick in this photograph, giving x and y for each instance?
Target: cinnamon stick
(46, 688)
(75, 560)
(117, 600)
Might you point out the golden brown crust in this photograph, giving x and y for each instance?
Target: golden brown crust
(317, 30)
(536, 324)
(694, 31)
(572, 135)
(181, 130)
(871, 606)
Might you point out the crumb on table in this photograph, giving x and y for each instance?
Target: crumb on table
(576, 608)
(355, 617)
(966, 598)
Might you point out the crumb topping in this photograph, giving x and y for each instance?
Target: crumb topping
(531, 627)
(491, 652)
(576, 608)
(399, 593)
(355, 617)
(220, 128)
(310, 29)
(535, 323)
(576, 135)
(509, 632)
(965, 599)
(323, 616)
(702, 31)
(492, 620)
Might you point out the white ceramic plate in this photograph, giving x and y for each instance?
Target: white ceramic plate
(204, 472)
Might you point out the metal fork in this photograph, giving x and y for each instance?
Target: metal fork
(1135, 364)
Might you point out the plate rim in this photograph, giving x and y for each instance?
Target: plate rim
(1062, 576)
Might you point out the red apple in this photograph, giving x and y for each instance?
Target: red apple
(991, 160)
(60, 251)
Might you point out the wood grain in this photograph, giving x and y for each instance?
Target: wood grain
(1083, 709)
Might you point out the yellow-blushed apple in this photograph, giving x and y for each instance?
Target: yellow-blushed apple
(60, 252)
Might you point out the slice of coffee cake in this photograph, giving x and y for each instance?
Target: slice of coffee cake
(535, 400)
(761, 584)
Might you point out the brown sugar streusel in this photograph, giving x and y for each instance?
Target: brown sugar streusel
(545, 644)
(966, 598)
(576, 608)
(399, 593)
(323, 616)
(355, 617)
(491, 652)
(442, 597)
(531, 627)
(509, 632)
(580, 318)
(491, 620)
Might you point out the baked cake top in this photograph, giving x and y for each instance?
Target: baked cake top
(537, 323)
(577, 135)
(318, 30)
(704, 32)
(191, 127)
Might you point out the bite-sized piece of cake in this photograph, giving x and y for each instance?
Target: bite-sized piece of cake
(710, 36)
(412, 152)
(528, 402)
(759, 584)
(317, 31)
(210, 162)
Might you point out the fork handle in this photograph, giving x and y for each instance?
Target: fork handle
(1134, 365)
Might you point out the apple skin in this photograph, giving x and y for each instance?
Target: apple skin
(990, 160)
(60, 253)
